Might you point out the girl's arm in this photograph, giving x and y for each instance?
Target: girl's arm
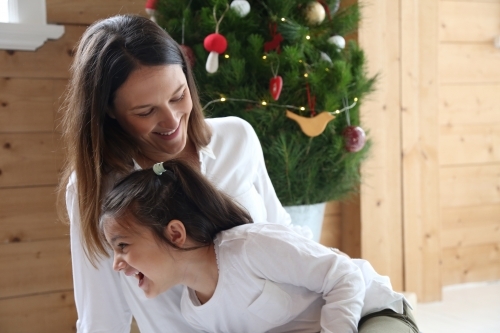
(280, 255)
(99, 299)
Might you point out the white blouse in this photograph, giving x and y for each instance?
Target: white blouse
(272, 279)
(106, 300)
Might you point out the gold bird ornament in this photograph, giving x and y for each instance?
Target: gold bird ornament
(312, 126)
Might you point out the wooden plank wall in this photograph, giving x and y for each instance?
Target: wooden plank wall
(435, 123)
(469, 130)
(419, 148)
(381, 196)
(36, 292)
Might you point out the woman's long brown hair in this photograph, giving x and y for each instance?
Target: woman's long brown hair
(96, 146)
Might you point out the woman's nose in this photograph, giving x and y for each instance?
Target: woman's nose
(168, 118)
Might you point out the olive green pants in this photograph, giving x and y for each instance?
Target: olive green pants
(388, 321)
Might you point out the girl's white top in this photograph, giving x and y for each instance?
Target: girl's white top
(106, 300)
(272, 279)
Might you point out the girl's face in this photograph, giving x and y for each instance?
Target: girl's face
(138, 254)
(153, 105)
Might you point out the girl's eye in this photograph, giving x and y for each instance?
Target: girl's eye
(122, 246)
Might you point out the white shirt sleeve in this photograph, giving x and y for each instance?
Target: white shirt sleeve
(99, 299)
(302, 262)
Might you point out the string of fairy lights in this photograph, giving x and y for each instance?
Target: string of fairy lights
(264, 103)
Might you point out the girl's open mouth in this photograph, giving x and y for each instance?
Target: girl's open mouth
(140, 276)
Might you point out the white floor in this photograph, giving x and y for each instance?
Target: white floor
(465, 308)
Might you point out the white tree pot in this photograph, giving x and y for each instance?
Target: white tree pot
(308, 216)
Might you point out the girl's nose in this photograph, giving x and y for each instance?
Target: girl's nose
(118, 264)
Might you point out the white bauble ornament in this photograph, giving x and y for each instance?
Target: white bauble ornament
(315, 13)
(242, 7)
(337, 40)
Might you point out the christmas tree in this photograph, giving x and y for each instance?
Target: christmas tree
(284, 66)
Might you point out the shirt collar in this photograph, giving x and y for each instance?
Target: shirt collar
(207, 151)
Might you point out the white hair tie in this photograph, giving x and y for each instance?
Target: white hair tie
(159, 169)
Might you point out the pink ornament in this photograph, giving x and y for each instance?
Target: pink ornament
(355, 138)
(275, 85)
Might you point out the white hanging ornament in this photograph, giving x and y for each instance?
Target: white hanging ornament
(334, 6)
(242, 7)
(325, 57)
(338, 41)
(315, 13)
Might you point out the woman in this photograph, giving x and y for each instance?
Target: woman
(132, 102)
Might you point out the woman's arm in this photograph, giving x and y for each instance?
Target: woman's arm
(99, 299)
(280, 255)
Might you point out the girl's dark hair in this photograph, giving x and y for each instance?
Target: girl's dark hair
(180, 193)
(96, 145)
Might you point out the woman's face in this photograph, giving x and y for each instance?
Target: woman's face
(153, 105)
(138, 254)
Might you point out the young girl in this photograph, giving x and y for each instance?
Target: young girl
(172, 227)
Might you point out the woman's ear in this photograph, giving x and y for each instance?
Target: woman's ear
(111, 113)
(176, 233)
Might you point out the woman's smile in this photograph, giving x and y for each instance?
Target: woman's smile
(170, 135)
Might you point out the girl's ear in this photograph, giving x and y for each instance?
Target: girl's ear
(176, 232)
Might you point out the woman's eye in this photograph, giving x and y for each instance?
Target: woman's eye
(147, 113)
(180, 98)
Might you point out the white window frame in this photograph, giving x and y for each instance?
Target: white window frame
(27, 28)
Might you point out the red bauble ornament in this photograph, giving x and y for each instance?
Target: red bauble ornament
(275, 85)
(355, 138)
(188, 52)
